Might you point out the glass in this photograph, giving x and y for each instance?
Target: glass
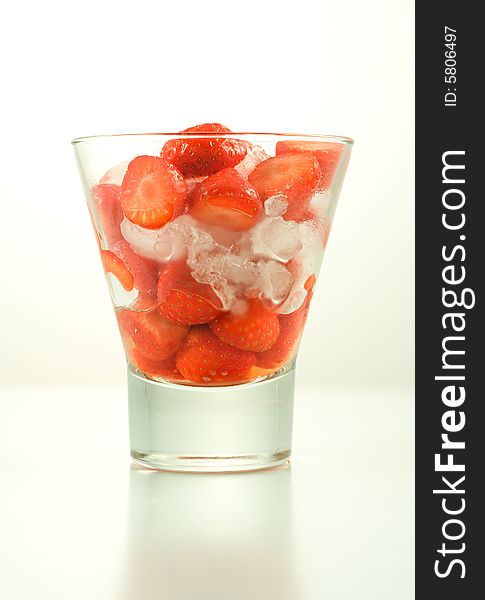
(211, 244)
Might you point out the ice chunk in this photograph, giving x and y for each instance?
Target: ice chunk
(173, 238)
(240, 270)
(322, 202)
(294, 301)
(115, 174)
(275, 206)
(275, 238)
(255, 155)
(222, 235)
(274, 281)
(307, 262)
(141, 240)
(206, 260)
(164, 244)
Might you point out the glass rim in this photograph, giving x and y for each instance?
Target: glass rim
(245, 134)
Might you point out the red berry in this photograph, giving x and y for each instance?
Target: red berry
(295, 176)
(291, 330)
(154, 337)
(203, 358)
(327, 154)
(143, 271)
(153, 192)
(226, 199)
(106, 200)
(114, 265)
(184, 300)
(164, 369)
(201, 155)
(256, 329)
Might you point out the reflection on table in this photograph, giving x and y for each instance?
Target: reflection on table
(210, 536)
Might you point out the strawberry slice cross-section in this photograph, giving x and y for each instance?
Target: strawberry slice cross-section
(153, 192)
(294, 176)
(327, 154)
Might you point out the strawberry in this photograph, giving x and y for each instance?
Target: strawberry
(143, 271)
(226, 199)
(291, 330)
(201, 155)
(113, 264)
(154, 337)
(106, 199)
(165, 369)
(203, 358)
(184, 300)
(256, 329)
(327, 154)
(295, 176)
(153, 192)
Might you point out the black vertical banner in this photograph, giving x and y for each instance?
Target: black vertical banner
(450, 268)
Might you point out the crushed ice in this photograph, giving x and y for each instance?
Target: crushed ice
(237, 266)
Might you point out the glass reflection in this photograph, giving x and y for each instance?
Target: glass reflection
(210, 536)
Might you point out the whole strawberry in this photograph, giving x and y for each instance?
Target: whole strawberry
(203, 358)
(184, 300)
(200, 156)
(255, 329)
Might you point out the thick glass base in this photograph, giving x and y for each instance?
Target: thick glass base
(211, 429)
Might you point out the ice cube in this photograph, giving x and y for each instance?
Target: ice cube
(173, 238)
(255, 155)
(322, 202)
(294, 301)
(222, 235)
(115, 174)
(162, 245)
(275, 238)
(307, 262)
(240, 270)
(141, 240)
(275, 206)
(206, 259)
(274, 281)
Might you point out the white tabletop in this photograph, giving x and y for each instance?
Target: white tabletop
(78, 522)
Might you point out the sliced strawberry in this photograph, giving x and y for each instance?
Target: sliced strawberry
(165, 369)
(203, 358)
(327, 154)
(154, 337)
(256, 329)
(226, 199)
(153, 192)
(143, 271)
(184, 300)
(106, 199)
(201, 155)
(295, 176)
(291, 330)
(114, 265)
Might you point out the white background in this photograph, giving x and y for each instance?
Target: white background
(90, 67)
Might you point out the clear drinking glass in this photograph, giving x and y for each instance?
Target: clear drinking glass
(211, 242)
